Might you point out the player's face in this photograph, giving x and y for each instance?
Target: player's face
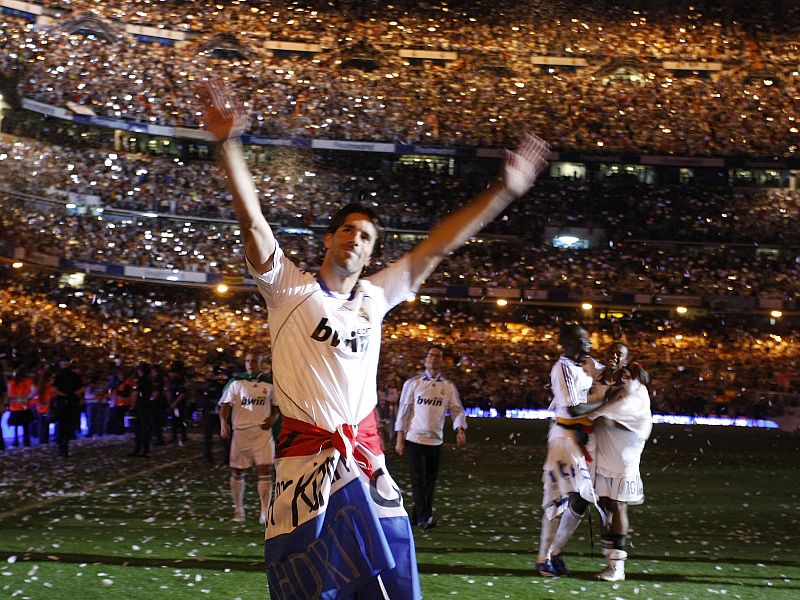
(350, 246)
(250, 363)
(433, 360)
(616, 357)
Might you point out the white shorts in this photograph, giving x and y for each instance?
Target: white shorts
(619, 452)
(251, 446)
(565, 471)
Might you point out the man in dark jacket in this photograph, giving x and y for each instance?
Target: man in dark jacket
(66, 407)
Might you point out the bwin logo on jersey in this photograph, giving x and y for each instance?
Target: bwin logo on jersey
(429, 401)
(357, 341)
(257, 401)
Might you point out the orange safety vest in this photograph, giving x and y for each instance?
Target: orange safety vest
(43, 398)
(18, 392)
(125, 399)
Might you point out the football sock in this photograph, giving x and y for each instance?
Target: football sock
(569, 523)
(549, 527)
(265, 492)
(237, 491)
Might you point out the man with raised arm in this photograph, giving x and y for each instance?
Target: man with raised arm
(337, 527)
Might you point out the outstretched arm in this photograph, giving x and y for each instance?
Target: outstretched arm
(520, 170)
(226, 121)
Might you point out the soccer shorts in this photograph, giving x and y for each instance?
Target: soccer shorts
(251, 446)
(565, 471)
(619, 452)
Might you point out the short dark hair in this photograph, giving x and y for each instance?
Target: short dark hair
(569, 331)
(354, 207)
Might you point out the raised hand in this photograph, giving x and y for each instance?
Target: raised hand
(223, 117)
(523, 165)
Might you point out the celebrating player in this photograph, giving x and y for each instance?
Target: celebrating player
(337, 527)
(622, 427)
(568, 488)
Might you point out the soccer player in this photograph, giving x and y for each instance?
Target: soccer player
(424, 401)
(246, 406)
(567, 481)
(337, 527)
(622, 427)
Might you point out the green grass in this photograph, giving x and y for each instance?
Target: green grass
(720, 520)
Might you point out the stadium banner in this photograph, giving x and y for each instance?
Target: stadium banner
(673, 300)
(691, 65)
(642, 299)
(535, 295)
(263, 140)
(353, 146)
(427, 54)
(559, 61)
(84, 199)
(101, 122)
(439, 151)
(29, 9)
(584, 295)
(41, 258)
(166, 274)
(80, 109)
(86, 266)
(291, 46)
(503, 292)
(737, 303)
(491, 153)
(434, 291)
(192, 134)
(155, 32)
(239, 281)
(46, 109)
(682, 161)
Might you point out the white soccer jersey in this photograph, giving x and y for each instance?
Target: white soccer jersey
(325, 346)
(424, 402)
(631, 409)
(251, 398)
(571, 383)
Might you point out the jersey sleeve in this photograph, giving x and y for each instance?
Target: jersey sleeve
(283, 279)
(228, 393)
(271, 398)
(394, 281)
(456, 409)
(405, 410)
(565, 386)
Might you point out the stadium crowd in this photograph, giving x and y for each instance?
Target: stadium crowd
(718, 365)
(656, 238)
(490, 92)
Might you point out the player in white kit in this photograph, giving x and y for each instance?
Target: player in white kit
(247, 414)
(337, 527)
(622, 427)
(567, 480)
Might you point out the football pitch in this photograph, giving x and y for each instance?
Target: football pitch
(721, 519)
